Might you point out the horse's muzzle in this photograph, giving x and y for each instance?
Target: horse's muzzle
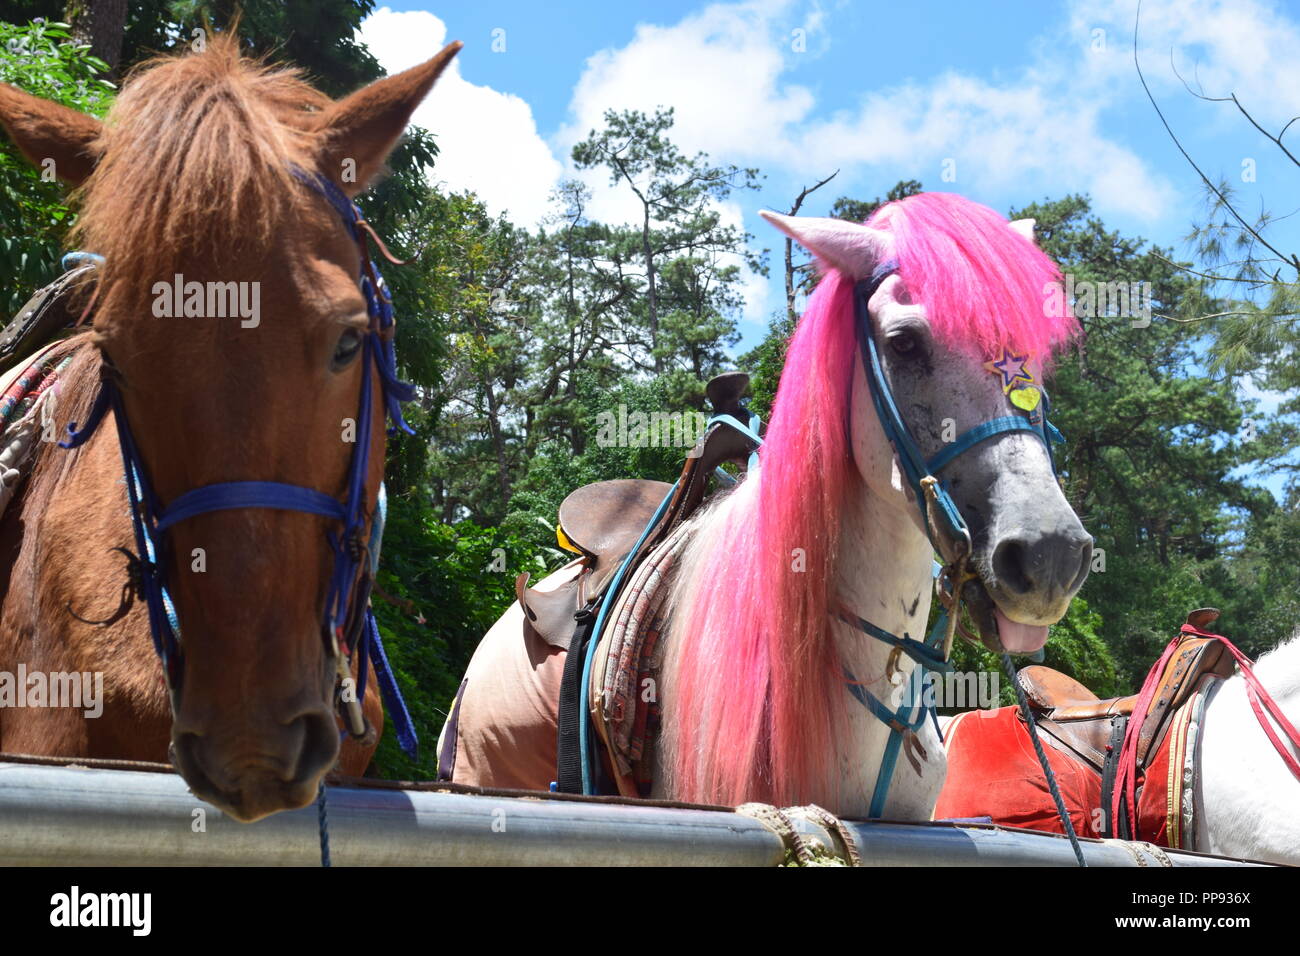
(262, 771)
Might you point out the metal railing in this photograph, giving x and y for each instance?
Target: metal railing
(74, 816)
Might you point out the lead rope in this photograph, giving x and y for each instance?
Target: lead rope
(322, 823)
(1061, 812)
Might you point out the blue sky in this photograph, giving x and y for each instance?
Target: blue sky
(1022, 100)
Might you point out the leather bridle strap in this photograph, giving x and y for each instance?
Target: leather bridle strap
(249, 494)
(969, 439)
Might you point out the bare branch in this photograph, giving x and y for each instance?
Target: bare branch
(1211, 276)
(1232, 98)
(1293, 261)
(789, 244)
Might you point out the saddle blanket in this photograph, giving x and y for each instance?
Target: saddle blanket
(25, 391)
(993, 772)
(624, 692)
(503, 727)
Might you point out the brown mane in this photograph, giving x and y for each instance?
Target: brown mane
(195, 161)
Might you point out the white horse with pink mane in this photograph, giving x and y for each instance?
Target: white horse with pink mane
(797, 603)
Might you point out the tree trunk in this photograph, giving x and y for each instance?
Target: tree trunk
(789, 246)
(651, 300)
(498, 444)
(100, 24)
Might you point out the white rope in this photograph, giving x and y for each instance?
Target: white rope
(1138, 849)
(806, 851)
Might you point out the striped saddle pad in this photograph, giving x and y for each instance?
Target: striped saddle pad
(27, 397)
(623, 696)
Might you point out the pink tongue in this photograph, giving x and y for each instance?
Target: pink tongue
(1019, 638)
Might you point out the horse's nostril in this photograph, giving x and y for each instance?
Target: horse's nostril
(1085, 562)
(320, 745)
(186, 755)
(1009, 566)
(1053, 564)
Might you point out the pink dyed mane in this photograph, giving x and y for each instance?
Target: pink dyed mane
(758, 694)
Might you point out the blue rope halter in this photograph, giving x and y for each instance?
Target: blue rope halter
(348, 621)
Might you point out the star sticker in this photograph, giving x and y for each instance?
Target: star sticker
(1011, 367)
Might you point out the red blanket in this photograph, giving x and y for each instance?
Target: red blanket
(993, 772)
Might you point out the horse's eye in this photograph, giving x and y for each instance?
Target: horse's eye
(347, 349)
(904, 343)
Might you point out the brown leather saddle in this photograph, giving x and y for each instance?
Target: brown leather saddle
(46, 314)
(603, 521)
(1076, 722)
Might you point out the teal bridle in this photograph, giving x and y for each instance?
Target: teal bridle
(944, 525)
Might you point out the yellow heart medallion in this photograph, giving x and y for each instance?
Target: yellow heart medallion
(1026, 397)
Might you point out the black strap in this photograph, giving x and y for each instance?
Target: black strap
(569, 751)
(1109, 769)
(447, 756)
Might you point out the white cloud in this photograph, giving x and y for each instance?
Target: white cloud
(1241, 46)
(995, 139)
(1041, 125)
(720, 70)
(488, 141)
(727, 71)
(1041, 129)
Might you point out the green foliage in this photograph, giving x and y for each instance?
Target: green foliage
(765, 362)
(41, 59)
(1075, 646)
(554, 470)
(858, 210)
(317, 35)
(689, 296)
(452, 582)
(1153, 442)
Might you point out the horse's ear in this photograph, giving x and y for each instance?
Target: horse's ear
(1025, 227)
(852, 249)
(50, 135)
(358, 132)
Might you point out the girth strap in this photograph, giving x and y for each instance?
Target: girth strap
(571, 714)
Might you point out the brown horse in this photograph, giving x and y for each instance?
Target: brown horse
(192, 175)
